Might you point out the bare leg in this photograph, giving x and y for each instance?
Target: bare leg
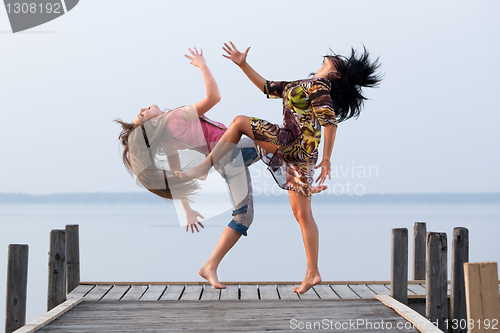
(239, 126)
(227, 240)
(302, 211)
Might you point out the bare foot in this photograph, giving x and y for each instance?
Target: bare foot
(308, 282)
(194, 172)
(211, 276)
(319, 188)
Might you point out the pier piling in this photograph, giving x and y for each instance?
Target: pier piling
(419, 232)
(399, 265)
(72, 257)
(17, 283)
(459, 256)
(436, 300)
(56, 293)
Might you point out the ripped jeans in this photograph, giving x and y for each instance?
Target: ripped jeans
(234, 169)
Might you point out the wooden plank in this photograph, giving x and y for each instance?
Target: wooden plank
(399, 265)
(344, 292)
(50, 316)
(379, 289)
(310, 294)
(249, 292)
(268, 292)
(97, 293)
(482, 298)
(191, 293)
(417, 289)
(436, 271)
(230, 293)
(134, 293)
(363, 291)
(419, 321)
(81, 291)
(231, 316)
(154, 292)
(286, 292)
(17, 284)
(173, 293)
(325, 292)
(210, 293)
(56, 293)
(459, 255)
(115, 293)
(419, 232)
(72, 257)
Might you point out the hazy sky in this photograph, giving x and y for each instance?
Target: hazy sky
(430, 127)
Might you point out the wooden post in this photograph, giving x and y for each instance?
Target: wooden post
(481, 292)
(459, 256)
(399, 265)
(72, 257)
(56, 293)
(17, 283)
(419, 233)
(436, 276)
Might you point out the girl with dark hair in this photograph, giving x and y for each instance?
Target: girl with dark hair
(332, 95)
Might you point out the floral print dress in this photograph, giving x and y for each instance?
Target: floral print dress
(307, 105)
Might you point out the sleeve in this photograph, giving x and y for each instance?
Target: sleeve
(274, 89)
(189, 112)
(322, 104)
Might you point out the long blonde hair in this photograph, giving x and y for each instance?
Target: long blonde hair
(142, 147)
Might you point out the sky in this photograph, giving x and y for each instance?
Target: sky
(431, 126)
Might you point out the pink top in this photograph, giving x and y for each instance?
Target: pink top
(189, 131)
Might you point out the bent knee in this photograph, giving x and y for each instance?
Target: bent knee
(238, 120)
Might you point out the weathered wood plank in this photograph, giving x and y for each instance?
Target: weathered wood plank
(81, 291)
(379, 289)
(417, 289)
(17, 284)
(286, 292)
(268, 292)
(154, 293)
(325, 292)
(344, 291)
(173, 293)
(97, 293)
(230, 293)
(249, 292)
(224, 317)
(362, 291)
(191, 293)
(134, 293)
(210, 293)
(409, 314)
(310, 294)
(115, 293)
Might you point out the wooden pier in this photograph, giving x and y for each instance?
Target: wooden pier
(241, 307)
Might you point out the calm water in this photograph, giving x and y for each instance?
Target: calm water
(145, 242)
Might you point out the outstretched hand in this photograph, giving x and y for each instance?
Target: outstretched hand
(326, 169)
(236, 56)
(192, 219)
(196, 58)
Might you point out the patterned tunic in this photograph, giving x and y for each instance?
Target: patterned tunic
(307, 105)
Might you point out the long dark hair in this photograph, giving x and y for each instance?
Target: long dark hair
(346, 91)
(139, 157)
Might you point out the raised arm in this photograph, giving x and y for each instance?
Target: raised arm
(213, 95)
(240, 59)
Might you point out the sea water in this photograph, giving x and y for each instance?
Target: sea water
(144, 242)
